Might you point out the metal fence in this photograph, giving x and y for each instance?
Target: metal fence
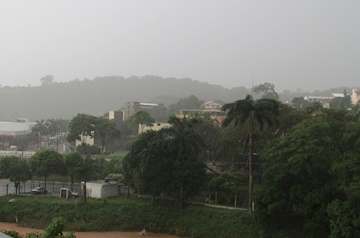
(53, 188)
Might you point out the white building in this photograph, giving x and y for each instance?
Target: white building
(355, 96)
(101, 189)
(212, 105)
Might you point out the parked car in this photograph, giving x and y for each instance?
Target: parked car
(38, 190)
(73, 194)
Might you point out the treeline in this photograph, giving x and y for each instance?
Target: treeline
(98, 96)
(305, 184)
(102, 94)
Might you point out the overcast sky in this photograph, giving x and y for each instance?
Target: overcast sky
(294, 44)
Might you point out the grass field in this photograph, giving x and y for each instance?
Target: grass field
(128, 214)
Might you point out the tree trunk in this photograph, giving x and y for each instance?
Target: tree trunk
(57, 143)
(251, 157)
(181, 197)
(84, 191)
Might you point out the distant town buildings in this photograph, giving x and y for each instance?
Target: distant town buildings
(212, 105)
(132, 107)
(9, 130)
(355, 96)
(326, 100)
(116, 116)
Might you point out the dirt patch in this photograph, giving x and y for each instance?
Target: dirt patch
(109, 234)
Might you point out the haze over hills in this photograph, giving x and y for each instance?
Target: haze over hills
(98, 96)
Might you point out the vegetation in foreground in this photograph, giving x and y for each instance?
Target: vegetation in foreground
(123, 214)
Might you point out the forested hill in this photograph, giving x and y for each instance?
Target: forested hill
(98, 96)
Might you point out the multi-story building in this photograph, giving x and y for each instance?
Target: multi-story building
(116, 116)
(355, 96)
(132, 107)
(325, 101)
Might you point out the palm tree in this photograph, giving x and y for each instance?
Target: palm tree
(40, 128)
(185, 147)
(252, 113)
(86, 170)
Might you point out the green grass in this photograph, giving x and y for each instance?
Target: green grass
(123, 214)
(120, 154)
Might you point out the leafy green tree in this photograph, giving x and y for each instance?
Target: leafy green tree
(105, 130)
(57, 128)
(230, 184)
(190, 102)
(167, 161)
(267, 90)
(343, 212)
(86, 149)
(314, 108)
(81, 127)
(15, 169)
(299, 103)
(250, 113)
(307, 176)
(72, 161)
(141, 118)
(213, 136)
(226, 143)
(147, 167)
(47, 162)
(47, 80)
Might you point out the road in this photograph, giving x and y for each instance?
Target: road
(110, 234)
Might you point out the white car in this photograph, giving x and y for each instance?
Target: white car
(73, 194)
(38, 190)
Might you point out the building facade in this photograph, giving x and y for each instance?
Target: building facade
(132, 107)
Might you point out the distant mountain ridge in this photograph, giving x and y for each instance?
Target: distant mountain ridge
(98, 96)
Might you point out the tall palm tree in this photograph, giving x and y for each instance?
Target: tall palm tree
(86, 170)
(251, 113)
(40, 128)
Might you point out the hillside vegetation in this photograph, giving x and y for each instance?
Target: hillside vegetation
(98, 96)
(122, 214)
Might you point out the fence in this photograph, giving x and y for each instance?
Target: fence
(8, 187)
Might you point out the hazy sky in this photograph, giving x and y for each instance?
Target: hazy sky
(294, 44)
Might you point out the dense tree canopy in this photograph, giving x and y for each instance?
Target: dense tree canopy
(46, 162)
(167, 161)
(15, 169)
(140, 118)
(105, 131)
(267, 91)
(72, 161)
(81, 127)
(308, 180)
